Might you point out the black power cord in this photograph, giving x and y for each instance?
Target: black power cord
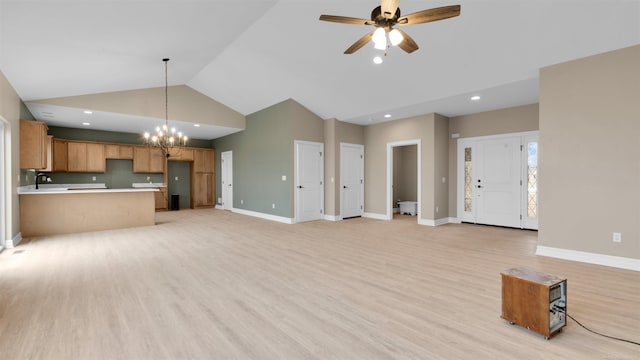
(597, 333)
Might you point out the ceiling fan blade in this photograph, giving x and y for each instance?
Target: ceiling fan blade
(389, 8)
(407, 44)
(346, 20)
(434, 14)
(360, 43)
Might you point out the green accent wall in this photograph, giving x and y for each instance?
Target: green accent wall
(182, 186)
(263, 153)
(118, 175)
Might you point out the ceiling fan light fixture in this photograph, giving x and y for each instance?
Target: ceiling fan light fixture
(395, 37)
(380, 39)
(377, 60)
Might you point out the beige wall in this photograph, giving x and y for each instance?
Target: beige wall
(10, 111)
(186, 104)
(503, 121)
(424, 128)
(589, 167)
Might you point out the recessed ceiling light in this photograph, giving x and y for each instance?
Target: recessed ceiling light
(88, 112)
(387, 115)
(86, 123)
(475, 98)
(196, 125)
(377, 60)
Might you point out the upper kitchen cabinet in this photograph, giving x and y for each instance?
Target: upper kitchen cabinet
(118, 151)
(148, 160)
(180, 154)
(204, 160)
(59, 155)
(85, 157)
(33, 145)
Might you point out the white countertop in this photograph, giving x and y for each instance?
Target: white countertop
(75, 189)
(149, 185)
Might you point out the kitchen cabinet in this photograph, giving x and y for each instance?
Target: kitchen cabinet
(161, 199)
(59, 155)
(204, 160)
(181, 154)
(148, 160)
(204, 188)
(117, 151)
(33, 144)
(85, 157)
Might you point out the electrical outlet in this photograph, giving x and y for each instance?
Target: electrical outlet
(93, 178)
(284, 177)
(219, 200)
(273, 206)
(617, 237)
(176, 178)
(148, 178)
(241, 202)
(437, 209)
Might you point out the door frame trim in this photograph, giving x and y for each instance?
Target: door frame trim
(361, 147)
(390, 146)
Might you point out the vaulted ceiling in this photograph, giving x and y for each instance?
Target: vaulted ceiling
(251, 54)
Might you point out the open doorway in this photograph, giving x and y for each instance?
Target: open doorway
(405, 180)
(403, 155)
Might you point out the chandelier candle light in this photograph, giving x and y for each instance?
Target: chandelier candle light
(166, 138)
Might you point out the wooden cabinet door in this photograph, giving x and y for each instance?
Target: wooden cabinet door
(77, 157)
(126, 152)
(112, 151)
(204, 161)
(156, 161)
(95, 158)
(33, 145)
(204, 190)
(59, 155)
(161, 199)
(141, 159)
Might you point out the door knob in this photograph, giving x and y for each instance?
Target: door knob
(299, 186)
(344, 187)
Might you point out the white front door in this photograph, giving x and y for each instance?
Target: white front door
(227, 179)
(497, 180)
(309, 186)
(351, 180)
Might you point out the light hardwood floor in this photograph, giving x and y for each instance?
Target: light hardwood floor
(209, 284)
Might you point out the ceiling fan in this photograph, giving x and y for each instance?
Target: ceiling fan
(385, 17)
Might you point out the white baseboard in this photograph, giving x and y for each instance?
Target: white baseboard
(375, 216)
(332, 217)
(1, 248)
(436, 222)
(453, 220)
(260, 215)
(591, 258)
(219, 207)
(14, 242)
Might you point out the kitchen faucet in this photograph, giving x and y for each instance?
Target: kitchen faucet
(46, 177)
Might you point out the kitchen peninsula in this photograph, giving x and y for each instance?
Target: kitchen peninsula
(64, 210)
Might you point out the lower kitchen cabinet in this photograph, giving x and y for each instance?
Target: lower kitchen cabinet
(204, 190)
(161, 199)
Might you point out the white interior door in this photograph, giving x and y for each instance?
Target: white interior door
(309, 180)
(497, 181)
(351, 180)
(227, 179)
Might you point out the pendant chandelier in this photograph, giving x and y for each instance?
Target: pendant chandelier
(165, 138)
